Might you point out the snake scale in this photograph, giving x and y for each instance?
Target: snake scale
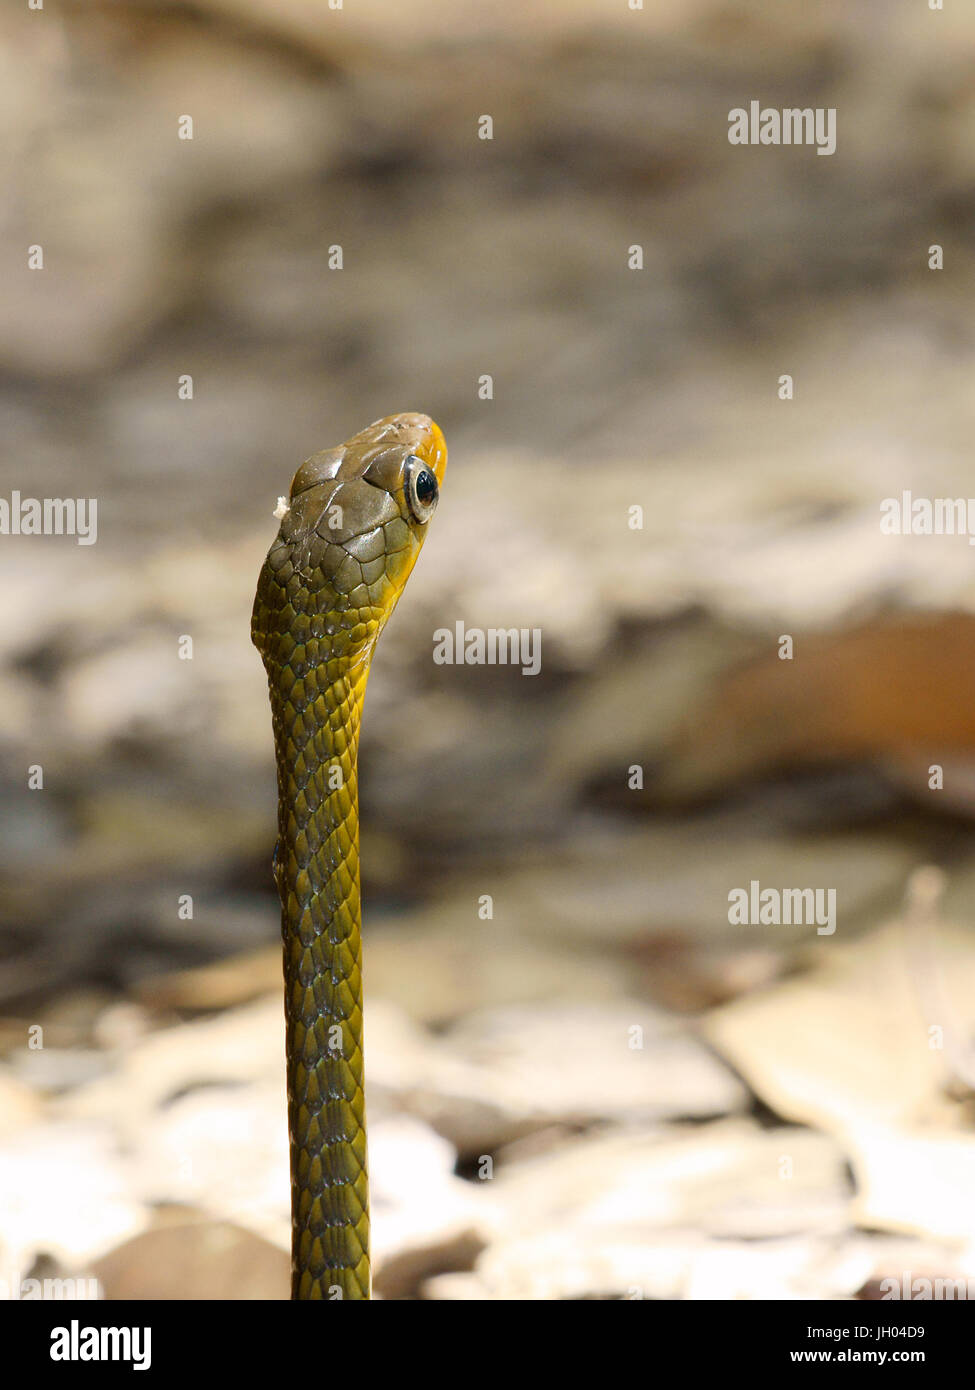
(349, 538)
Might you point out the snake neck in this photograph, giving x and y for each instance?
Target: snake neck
(317, 710)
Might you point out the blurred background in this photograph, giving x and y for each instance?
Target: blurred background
(605, 1090)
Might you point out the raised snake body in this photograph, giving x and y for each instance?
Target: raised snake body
(356, 520)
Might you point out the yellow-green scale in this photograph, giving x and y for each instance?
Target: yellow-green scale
(316, 699)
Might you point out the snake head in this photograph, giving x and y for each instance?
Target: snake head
(356, 518)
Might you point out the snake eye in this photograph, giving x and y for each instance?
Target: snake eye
(421, 488)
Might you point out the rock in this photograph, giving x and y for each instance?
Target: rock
(580, 1063)
(854, 1043)
(623, 1215)
(442, 963)
(866, 1047)
(19, 1105)
(425, 1221)
(677, 878)
(64, 1191)
(58, 1069)
(199, 1260)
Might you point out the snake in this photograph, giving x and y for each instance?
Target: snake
(351, 530)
